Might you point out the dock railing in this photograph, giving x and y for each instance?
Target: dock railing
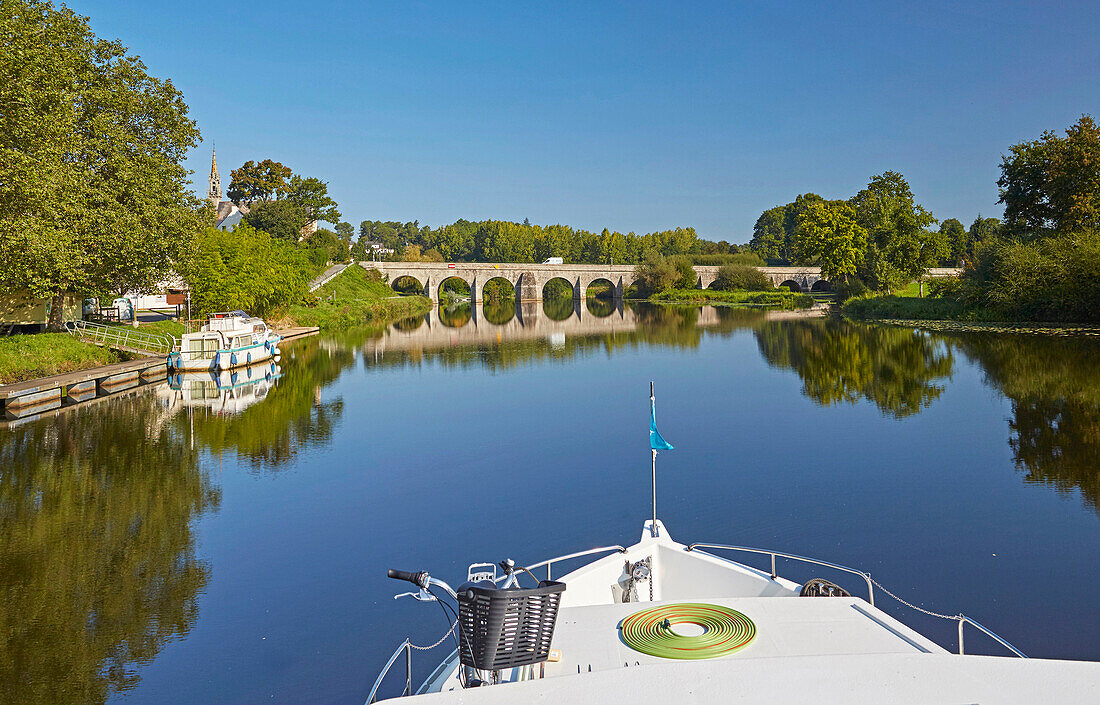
(122, 337)
(962, 619)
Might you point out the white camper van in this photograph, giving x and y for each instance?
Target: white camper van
(553, 260)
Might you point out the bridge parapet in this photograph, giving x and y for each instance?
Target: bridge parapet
(529, 279)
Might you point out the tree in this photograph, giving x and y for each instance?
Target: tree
(655, 273)
(93, 196)
(281, 219)
(899, 248)
(245, 269)
(345, 230)
(311, 196)
(769, 238)
(955, 235)
(257, 182)
(829, 234)
(1053, 183)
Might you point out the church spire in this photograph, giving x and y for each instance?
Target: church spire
(214, 193)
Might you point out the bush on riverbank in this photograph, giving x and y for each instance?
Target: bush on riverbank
(24, 357)
(245, 269)
(776, 299)
(734, 277)
(1053, 279)
(877, 306)
(355, 297)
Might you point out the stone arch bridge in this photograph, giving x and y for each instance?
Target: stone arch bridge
(529, 279)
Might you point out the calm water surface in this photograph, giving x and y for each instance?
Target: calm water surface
(157, 550)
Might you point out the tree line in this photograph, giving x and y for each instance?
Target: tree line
(506, 241)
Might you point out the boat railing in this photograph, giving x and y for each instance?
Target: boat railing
(774, 554)
(551, 561)
(406, 648)
(962, 619)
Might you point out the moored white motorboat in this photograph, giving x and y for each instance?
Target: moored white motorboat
(227, 340)
(664, 622)
(225, 393)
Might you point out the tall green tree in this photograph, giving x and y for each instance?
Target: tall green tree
(257, 182)
(1052, 184)
(899, 245)
(956, 237)
(828, 234)
(282, 219)
(311, 195)
(93, 194)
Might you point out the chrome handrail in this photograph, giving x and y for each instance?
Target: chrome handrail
(405, 646)
(551, 561)
(962, 619)
(866, 576)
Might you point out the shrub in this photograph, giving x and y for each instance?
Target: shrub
(686, 278)
(654, 273)
(738, 276)
(245, 269)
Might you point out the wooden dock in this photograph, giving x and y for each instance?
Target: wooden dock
(297, 332)
(47, 393)
(24, 400)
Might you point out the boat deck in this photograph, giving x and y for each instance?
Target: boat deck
(588, 637)
(895, 678)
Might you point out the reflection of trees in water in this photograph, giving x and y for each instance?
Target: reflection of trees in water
(97, 555)
(455, 315)
(840, 362)
(600, 306)
(499, 312)
(1054, 386)
(558, 308)
(291, 417)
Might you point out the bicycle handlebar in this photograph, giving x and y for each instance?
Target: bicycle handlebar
(414, 578)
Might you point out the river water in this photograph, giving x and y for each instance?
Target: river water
(165, 548)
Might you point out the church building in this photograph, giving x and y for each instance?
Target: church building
(226, 213)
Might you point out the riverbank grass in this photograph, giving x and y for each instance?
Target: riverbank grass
(355, 297)
(772, 299)
(877, 307)
(24, 357)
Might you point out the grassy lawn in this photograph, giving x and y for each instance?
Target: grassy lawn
(775, 299)
(354, 298)
(24, 357)
(906, 308)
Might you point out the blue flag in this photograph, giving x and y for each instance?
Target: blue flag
(655, 440)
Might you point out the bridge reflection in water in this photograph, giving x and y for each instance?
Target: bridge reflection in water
(477, 325)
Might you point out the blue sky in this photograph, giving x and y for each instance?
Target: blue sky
(634, 116)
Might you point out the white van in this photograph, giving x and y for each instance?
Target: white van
(553, 260)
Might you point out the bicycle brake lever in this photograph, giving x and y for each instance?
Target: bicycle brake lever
(422, 596)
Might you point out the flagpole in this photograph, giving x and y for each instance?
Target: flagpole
(653, 526)
(653, 469)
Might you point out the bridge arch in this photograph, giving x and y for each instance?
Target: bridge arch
(791, 284)
(454, 283)
(822, 286)
(554, 287)
(604, 288)
(406, 284)
(496, 288)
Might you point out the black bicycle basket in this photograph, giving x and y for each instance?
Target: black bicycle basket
(505, 628)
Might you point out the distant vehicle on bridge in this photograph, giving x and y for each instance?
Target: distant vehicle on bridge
(553, 260)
